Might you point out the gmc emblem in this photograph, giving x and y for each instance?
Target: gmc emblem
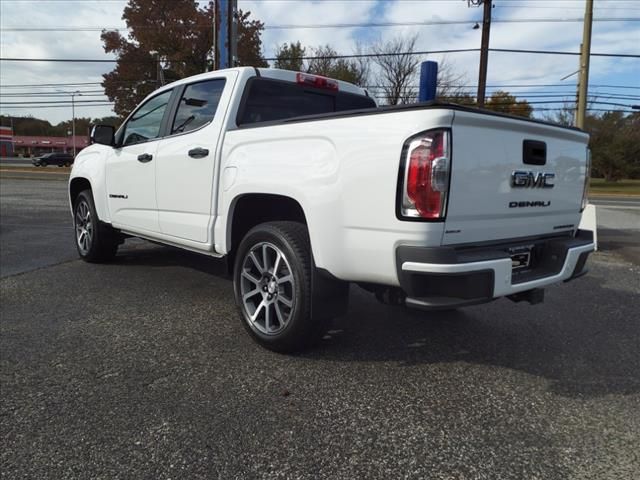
(529, 179)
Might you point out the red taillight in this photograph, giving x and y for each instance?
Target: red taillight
(316, 81)
(426, 176)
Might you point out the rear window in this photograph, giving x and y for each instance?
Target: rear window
(268, 100)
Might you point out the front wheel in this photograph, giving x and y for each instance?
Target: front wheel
(272, 286)
(95, 242)
(43, 164)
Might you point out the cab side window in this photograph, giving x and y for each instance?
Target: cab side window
(198, 105)
(145, 123)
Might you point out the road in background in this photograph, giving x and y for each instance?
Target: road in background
(141, 368)
(618, 220)
(15, 162)
(616, 202)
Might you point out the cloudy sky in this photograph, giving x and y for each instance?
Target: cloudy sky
(517, 25)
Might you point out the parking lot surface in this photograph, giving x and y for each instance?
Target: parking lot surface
(141, 369)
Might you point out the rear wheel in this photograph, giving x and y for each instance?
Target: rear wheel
(272, 286)
(95, 242)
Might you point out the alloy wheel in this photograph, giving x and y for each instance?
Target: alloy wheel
(84, 227)
(267, 288)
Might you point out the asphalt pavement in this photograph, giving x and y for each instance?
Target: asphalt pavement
(141, 369)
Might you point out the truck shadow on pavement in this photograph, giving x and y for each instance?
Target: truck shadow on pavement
(582, 348)
(583, 340)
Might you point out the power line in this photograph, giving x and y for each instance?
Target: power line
(362, 55)
(10, 107)
(557, 52)
(569, 91)
(320, 25)
(68, 60)
(48, 85)
(52, 102)
(92, 93)
(521, 85)
(70, 85)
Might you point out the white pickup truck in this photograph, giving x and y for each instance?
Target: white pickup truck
(306, 187)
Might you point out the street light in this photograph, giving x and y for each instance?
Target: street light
(73, 117)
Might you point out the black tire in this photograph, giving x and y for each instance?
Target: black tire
(301, 330)
(101, 245)
(43, 164)
(67, 164)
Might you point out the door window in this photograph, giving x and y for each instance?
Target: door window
(198, 105)
(146, 121)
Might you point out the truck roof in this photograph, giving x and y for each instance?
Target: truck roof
(290, 76)
(275, 73)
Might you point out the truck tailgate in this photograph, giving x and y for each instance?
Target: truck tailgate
(487, 201)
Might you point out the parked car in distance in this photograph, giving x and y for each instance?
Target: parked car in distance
(55, 158)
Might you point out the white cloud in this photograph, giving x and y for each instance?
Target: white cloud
(48, 44)
(285, 12)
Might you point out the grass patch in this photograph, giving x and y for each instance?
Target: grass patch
(621, 187)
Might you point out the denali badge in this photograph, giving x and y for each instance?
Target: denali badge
(536, 203)
(527, 178)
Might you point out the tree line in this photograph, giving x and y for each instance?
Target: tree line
(33, 126)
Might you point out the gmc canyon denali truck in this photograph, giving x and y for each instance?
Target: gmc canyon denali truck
(306, 186)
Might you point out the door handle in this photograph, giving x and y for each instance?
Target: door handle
(198, 152)
(145, 157)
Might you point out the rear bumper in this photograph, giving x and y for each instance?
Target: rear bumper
(448, 277)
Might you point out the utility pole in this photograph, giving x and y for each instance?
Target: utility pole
(225, 34)
(73, 117)
(73, 121)
(585, 53)
(159, 73)
(484, 51)
(214, 46)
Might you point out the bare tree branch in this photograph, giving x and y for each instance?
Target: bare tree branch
(398, 67)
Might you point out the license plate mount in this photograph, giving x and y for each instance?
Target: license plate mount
(520, 257)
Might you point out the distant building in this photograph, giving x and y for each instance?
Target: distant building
(31, 146)
(6, 142)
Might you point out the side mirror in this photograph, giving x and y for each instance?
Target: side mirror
(103, 134)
